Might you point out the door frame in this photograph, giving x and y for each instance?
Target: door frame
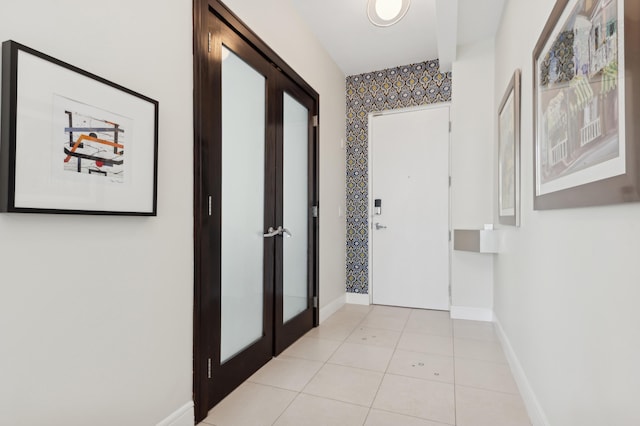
(370, 117)
(203, 127)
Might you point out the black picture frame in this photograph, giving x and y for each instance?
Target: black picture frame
(73, 142)
(586, 131)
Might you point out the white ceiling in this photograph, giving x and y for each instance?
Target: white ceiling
(357, 46)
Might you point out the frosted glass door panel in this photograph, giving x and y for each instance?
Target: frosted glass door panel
(295, 207)
(243, 146)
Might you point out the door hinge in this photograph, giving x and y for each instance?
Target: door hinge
(449, 181)
(314, 120)
(449, 235)
(315, 301)
(450, 126)
(314, 211)
(209, 368)
(209, 48)
(210, 212)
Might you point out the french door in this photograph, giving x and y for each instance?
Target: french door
(255, 199)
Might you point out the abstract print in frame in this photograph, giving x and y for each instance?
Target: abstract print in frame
(90, 141)
(73, 142)
(509, 154)
(585, 144)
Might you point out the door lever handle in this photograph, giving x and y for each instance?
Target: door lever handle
(287, 232)
(378, 226)
(273, 232)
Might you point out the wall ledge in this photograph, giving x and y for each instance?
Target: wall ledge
(536, 413)
(183, 416)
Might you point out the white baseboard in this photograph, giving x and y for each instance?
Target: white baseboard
(536, 413)
(183, 416)
(331, 308)
(358, 299)
(469, 313)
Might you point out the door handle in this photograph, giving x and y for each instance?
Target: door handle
(378, 226)
(273, 232)
(279, 231)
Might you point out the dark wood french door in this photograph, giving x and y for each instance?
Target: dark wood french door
(256, 243)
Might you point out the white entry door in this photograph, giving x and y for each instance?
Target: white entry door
(409, 175)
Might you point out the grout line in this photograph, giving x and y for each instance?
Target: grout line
(384, 374)
(285, 408)
(414, 417)
(324, 363)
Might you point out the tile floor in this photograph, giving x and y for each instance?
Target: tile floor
(382, 366)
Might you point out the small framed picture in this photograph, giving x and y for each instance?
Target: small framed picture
(509, 154)
(73, 142)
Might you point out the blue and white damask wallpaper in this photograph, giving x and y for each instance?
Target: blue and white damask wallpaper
(393, 88)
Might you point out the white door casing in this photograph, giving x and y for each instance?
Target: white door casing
(409, 173)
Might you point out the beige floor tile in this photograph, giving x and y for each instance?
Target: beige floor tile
(478, 330)
(287, 373)
(311, 410)
(251, 404)
(417, 398)
(345, 384)
(384, 418)
(312, 348)
(345, 318)
(384, 322)
(374, 336)
(390, 311)
(368, 357)
(437, 325)
(429, 315)
(331, 331)
(361, 309)
(479, 407)
(422, 366)
(418, 342)
(485, 375)
(480, 350)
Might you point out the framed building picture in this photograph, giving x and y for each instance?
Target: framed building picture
(509, 154)
(73, 142)
(586, 130)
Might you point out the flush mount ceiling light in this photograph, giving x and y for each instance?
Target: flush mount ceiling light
(384, 13)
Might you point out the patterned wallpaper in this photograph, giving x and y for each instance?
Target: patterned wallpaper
(393, 88)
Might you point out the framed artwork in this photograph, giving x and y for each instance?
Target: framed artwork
(586, 130)
(509, 154)
(73, 142)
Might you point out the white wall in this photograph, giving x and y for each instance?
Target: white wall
(279, 25)
(96, 312)
(472, 160)
(83, 341)
(567, 284)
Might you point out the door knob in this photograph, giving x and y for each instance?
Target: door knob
(378, 226)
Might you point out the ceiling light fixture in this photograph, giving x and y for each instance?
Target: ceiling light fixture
(384, 13)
